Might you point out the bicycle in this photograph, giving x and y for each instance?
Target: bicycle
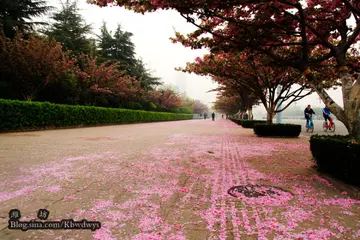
(310, 125)
(327, 126)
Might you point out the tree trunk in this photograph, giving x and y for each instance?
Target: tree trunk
(270, 116)
(28, 98)
(350, 115)
(334, 107)
(250, 113)
(351, 98)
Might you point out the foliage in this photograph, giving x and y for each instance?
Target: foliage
(17, 115)
(165, 98)
(199, 108)
(277, 130)
(105, 79)
(227, 105)
(70, 29)
(119, 47)
(315, 31)
(244, 75)
(29, 65)
(146, 79)
(337, 155)
(250, 123)
(15, 15)
(237, 121)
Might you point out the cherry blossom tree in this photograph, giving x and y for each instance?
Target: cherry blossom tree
(253, 73)
(241, 93)
(227, 105)
(105, 79)
(165, 98)
(32, 63)
(199, 107)
(318, 29)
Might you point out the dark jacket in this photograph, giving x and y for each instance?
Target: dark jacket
(308, 112)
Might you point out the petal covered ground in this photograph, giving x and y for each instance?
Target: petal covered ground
(170, 180)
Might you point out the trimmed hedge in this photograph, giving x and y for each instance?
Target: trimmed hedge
(16, 115)
(337, 155)
(250, 123)
(237, 121)
(277, 130)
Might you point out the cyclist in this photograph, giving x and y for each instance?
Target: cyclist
(326, 114)
(308, 112)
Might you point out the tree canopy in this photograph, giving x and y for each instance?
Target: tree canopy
(16, 16)
(70, 29)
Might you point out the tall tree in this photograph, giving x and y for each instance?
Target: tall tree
(227, 105)
(254, 74)
(119, 47)
(270, 26)
(147, 80)
(16, 15)
(70, 29)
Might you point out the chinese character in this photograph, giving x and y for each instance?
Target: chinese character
(14, 214)
(43, 214)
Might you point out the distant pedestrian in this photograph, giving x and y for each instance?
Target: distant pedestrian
(205, 116)
(222, 116)
(213, 116)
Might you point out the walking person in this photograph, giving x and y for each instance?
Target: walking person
(205, 116)
(213, 116)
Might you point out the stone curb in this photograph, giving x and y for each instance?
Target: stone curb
(352, 191)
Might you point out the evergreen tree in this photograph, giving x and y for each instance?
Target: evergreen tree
(147, 81)
(117, 47)
(70, 29)
(16, 15)
(105, 42)
(120, 48)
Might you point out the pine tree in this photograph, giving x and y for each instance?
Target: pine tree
(105, 44)
(70, 29)
(119, 47)
(16, 15)
(147, 81)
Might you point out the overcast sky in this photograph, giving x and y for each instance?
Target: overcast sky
(151, 38)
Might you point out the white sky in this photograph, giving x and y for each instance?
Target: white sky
(151, 38)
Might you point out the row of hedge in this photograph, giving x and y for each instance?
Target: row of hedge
(278, 130)
(263, 129)
(16, 115)
(247, 123)
(337, 155)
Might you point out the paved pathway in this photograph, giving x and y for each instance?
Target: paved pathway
(340, 127)
(170, 180)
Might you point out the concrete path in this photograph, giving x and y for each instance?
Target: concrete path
(170, 180)
(318, 127)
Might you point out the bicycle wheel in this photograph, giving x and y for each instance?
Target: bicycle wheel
(325, 126)
(332, 128)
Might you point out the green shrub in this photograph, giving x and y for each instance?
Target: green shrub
(277, 130)
(16, 115)
(337, 155)
(187, 110)
(151, 106)
(250, 123)
(237, 121)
